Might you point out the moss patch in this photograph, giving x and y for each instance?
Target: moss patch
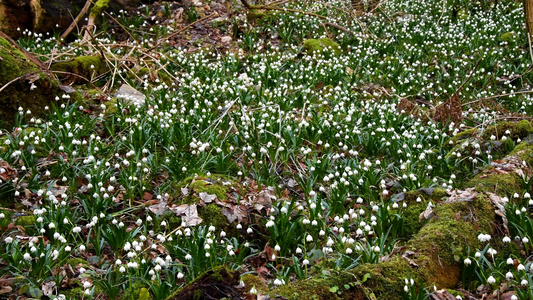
(85, 66)
(518, 130)
(498, 183)
(313, 46)
(33, 90)
(99, 7)
(212, 284)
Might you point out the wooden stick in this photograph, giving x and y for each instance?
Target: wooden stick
(76, 20)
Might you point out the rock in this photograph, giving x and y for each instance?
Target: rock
(131, 95)
(226, 39)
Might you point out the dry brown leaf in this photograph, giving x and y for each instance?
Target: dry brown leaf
(48, 288)
(462, 196)
(189, 214)
(207, 198)
(451, 110)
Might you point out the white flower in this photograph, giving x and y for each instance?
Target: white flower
(122, 269)
(510, 261)
(277, 248)
(188, 257)
(305, 262)
(278, 282)
(521, 267)
(468, 261)
(180, 275)
(506, 239)
(8, 240)
(509, 276)
(27, 256)
(491, 280)
(269, 224)
(523, 282)
(525, 240)
(253, 290)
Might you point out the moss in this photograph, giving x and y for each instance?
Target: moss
(215, 184)
(13, 64)
(111, 106)
(25, 221)
(312, 46)
(99, 7)
(518, 130)
(76, 261)
(386, 279)
(254, 16)
(525, 150)
(85, 66)
(465, 135)
(508, 37)
(499, 183)
(74, 293)
(212, 215)
(254, 281)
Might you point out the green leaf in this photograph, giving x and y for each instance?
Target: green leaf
(365, 277)
(334, 289)
(23, 289)
(36, 292)
(347, 286)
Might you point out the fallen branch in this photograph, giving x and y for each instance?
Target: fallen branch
(76, 20)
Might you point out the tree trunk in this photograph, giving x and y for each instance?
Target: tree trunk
(528, 13)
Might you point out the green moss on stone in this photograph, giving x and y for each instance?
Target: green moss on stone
(254, 281)
(518, 130)
(313, 46)
(85, 66)
(13, 64)
(465, 135)
(212, 215)
(525, 150)
(499, 183)
(111, 106)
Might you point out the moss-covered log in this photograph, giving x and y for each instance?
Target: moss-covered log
(433, 254)
(23, 85)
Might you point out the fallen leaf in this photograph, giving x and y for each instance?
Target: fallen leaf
(189, 214)
(234, 213)
(48, 288)
(207, 198)
(5, 289)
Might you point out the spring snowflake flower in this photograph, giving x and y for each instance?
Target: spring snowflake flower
(491, 280)
(509, 276)
(468, 261)
(506, 239)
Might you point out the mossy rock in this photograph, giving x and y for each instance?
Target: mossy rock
(313, 46)
(254, 281)
(255, 16)
(33, 90)
(214, 184)
(525, 150)
(111, 106)
(467, 134)
(518, 129)
(216, 283)
(84, 67)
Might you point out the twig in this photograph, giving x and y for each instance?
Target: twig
(15, 79)
(338, 27)
(76, 20)
(498, 96)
